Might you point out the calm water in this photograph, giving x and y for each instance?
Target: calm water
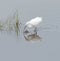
(13, 48)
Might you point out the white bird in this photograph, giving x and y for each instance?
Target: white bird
(34, 23)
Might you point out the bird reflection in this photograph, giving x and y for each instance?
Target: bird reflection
(31, 37)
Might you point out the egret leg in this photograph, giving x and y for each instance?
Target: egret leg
(35, 30)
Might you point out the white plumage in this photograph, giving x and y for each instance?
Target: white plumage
(32, 25)
(34, 22)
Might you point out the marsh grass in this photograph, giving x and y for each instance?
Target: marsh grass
(9, 25)
(17, 24)
(1, 26)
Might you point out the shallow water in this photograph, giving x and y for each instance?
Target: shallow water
(16, 48)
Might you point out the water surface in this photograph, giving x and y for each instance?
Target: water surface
(13, 48)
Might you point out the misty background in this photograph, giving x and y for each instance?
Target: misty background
(13, 48)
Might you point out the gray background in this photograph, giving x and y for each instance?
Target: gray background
(13, 48)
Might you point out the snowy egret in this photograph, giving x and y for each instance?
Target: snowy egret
(33, 23)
